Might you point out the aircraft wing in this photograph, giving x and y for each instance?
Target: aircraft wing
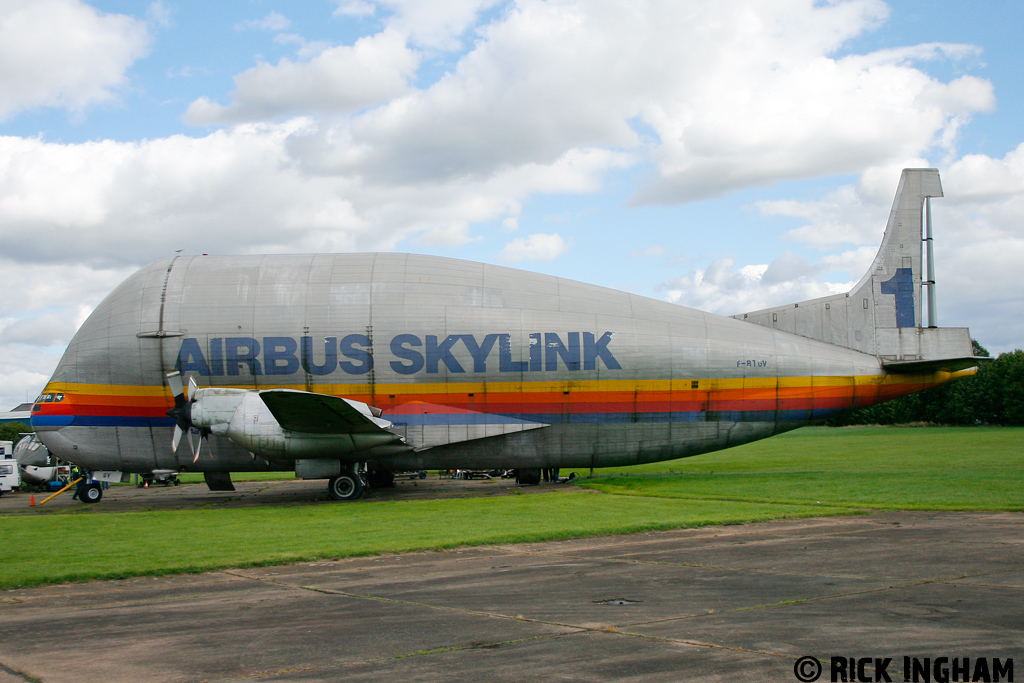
(301, 411)
(422, 425)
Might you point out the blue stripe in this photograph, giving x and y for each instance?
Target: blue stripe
(51, 420)
(100, 421)
(457, 419)
(804, 415)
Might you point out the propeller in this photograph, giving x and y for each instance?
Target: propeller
(182, 413)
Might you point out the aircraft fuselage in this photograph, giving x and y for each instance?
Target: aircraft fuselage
(475, 366)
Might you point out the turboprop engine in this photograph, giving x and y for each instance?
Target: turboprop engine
(277, 424)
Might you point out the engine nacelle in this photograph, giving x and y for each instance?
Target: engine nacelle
(242, 416)
(213, 408)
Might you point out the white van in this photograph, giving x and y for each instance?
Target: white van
(10, 475)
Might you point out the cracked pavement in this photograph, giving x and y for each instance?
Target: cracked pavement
(736, 602)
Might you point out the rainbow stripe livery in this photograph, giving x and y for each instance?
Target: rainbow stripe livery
(333, 364)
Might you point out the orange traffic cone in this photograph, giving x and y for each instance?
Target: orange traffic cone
(145, 484)
(32, 500)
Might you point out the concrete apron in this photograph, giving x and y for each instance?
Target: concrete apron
(720, 603)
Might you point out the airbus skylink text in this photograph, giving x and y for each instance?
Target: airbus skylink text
(923, 669)
(353, 354)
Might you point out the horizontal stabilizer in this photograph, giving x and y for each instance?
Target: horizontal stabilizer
(914, 367)
(301, 411)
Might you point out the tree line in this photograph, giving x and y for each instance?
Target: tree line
(12, 431)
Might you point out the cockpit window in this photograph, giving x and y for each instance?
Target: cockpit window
(47, 398)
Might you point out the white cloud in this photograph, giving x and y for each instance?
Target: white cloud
(355, 8)
(428, 23)
(24, 373)
(536, 247)
(715, 95)
(454, 235)
(337, 80)
(41, 307)
(767, 121)
(64, 53)
(160, 14)
(116, 204)
(979, 244)
(49, 329)
(725, 289)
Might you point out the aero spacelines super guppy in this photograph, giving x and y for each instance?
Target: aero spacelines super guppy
(334, 365)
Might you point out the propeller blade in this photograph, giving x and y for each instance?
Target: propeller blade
(174, 382)
(192, 386)
(176, 439)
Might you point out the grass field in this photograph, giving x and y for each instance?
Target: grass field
(817, 471)
(890, 468)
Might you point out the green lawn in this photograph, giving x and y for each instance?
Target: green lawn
(896, 468)
(816, 471)
(197, 477)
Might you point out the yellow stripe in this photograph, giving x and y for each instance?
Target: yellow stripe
(585, 386)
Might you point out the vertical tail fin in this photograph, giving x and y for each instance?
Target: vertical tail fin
(882, 315)
(893, 284)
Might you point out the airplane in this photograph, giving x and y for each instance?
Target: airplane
(349, 367)
(37, 467)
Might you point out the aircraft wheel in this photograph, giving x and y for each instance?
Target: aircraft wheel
(91, 493)
(346, 486)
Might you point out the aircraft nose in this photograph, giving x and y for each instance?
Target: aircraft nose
(57, 441)
(49, 419)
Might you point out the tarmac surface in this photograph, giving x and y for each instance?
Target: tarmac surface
(732, 603)
(130, 498)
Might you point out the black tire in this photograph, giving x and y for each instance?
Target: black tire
(91, 493)
(345, 487)
(422, 474)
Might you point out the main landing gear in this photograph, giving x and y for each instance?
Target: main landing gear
(90, 493)
(346, 486)
(350, 484)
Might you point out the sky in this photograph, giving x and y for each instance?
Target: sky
(726, 155)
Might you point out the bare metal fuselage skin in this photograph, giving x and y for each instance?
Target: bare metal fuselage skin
(512, 369)
(314, 362)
